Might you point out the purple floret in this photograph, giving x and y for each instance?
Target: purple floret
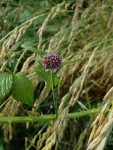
(52, 61)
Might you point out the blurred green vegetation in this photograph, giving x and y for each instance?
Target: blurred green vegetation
(81, 32)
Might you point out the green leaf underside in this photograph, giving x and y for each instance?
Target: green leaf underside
(46, 76)
(6, 82)
(23, 90)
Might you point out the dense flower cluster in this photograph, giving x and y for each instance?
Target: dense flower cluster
(52, 61)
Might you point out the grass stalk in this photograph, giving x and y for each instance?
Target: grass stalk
(19, 60)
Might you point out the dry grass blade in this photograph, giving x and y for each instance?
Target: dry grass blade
(102, 125)
(81, 33)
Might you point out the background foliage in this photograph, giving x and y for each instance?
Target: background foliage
(81, 32)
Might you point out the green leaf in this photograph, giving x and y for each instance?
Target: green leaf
(6, 81)
(23, 90)
(46, 76)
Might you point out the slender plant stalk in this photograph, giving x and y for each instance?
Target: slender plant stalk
(7, 69)
(4, 103)
(53, 93)
(46, 118)
(21, 56)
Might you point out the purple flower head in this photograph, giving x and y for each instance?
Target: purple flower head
(52, 61)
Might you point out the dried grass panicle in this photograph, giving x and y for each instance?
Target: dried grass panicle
(97, 141)
(55, 42)
(8, 132)
(12, 38)
(44, 94)
(57, 130)
(41, 140)
(10, 109)
(44, 137)
(28, 69)
(98, 123)
(50, 142)
(82, 70)
(63, 102)
(74, 22)
(102, 125)
(76, 87)
(42, 28)
(26, 65)
(87, 11)
(80, 142)
(61, 123)
(110, 22)
(76, 13)
(54, 11)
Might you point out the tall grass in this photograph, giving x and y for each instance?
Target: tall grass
(81, 32)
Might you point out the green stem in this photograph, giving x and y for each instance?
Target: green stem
(7, 69)
(46, 118)
(21, 56)
(53, 93)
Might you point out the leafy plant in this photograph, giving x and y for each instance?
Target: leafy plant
(81, 33)
(17, 85)
(6, 82)
(23, 90)
(45, 75)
